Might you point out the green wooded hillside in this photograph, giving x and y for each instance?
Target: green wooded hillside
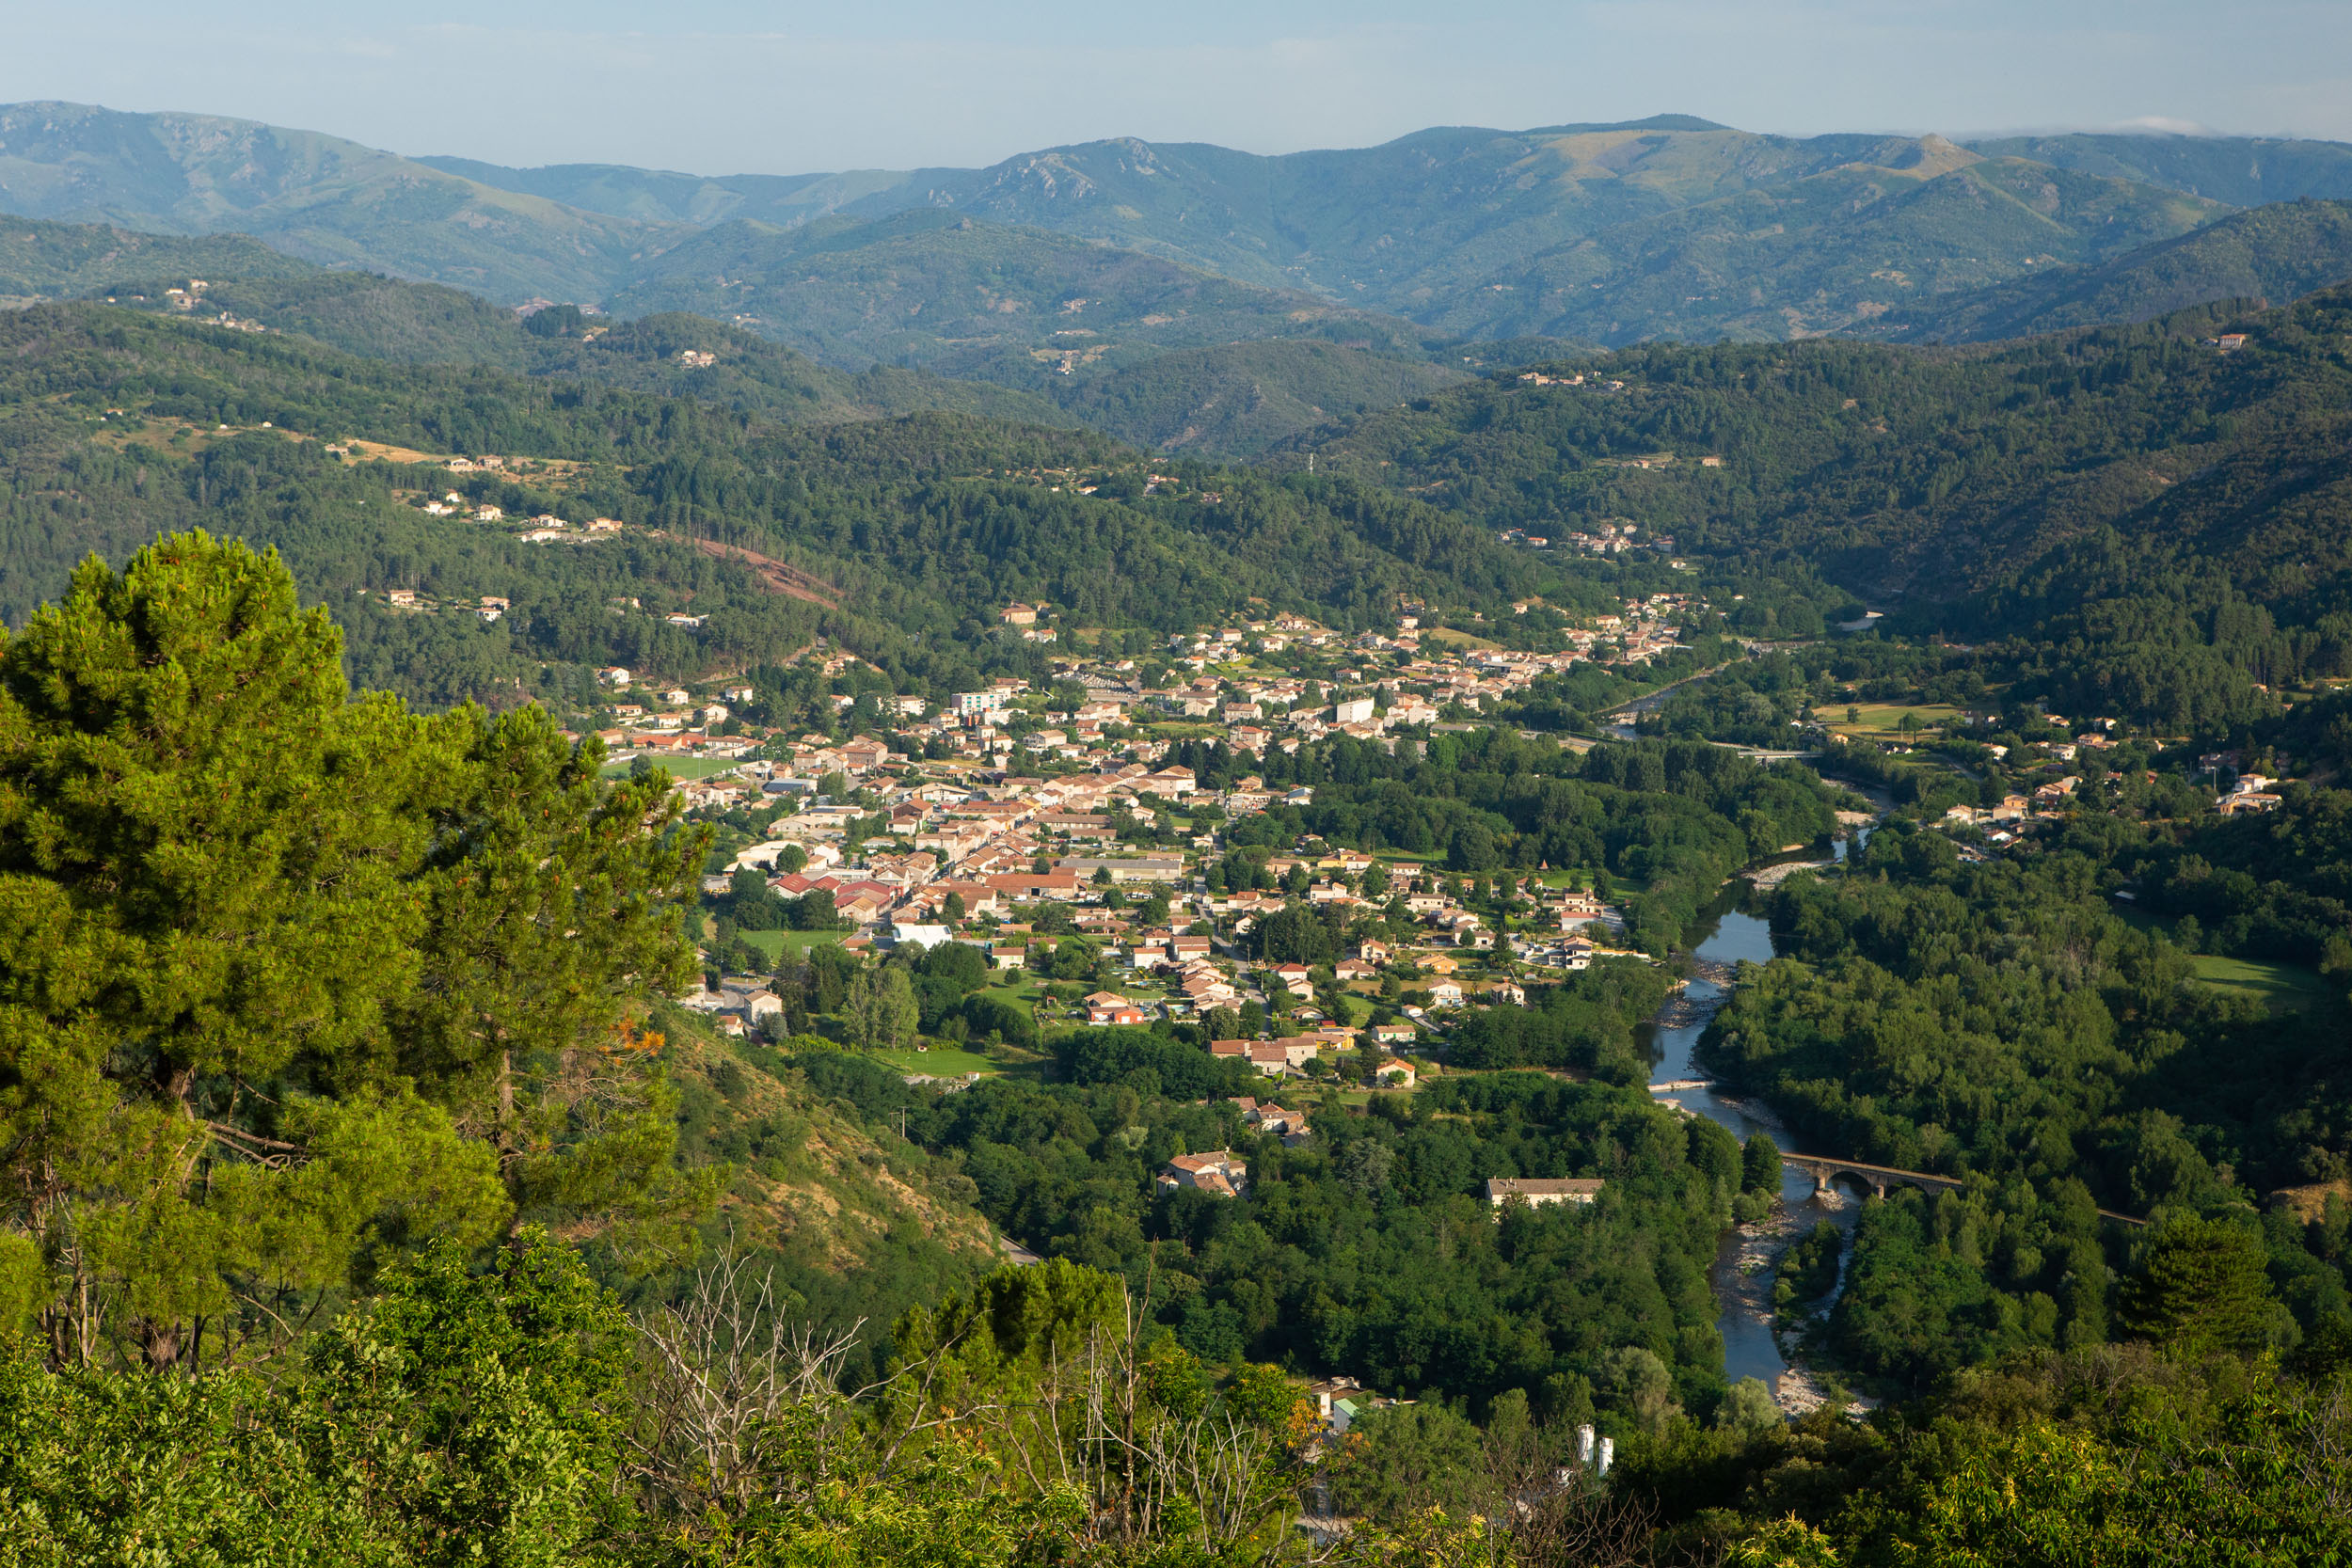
(1224, 399)
(39, 261)
(428, 323)
(912, 529)
(2271, 255)
(2158, 523)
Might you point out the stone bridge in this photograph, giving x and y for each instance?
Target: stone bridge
(1878, 1178)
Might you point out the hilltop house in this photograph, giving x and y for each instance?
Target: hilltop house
(1275, 1121)
(1341, 1402)
(1219, 1171)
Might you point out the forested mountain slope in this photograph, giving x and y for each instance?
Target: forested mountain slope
(317, 196)
(2243, 171)
(428, 323)
(1226, 398)
(934, 288)
(2271, 255)
(39, 261)
(1824, 253)
(1236, 392)
(906, 531)
(1614, 233)
(2134, 494)
(1238, 399)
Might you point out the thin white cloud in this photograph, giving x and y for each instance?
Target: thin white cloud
(2164, 125)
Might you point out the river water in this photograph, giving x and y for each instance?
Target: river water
(1742, 1276)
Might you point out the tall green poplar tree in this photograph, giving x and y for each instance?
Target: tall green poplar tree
(288, 978)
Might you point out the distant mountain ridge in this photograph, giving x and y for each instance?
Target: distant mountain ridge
(315, 196)
(1303, 287)
(1672, 226)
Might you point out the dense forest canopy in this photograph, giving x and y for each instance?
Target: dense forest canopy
(1371, 1247)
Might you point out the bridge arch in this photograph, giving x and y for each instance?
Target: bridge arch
(1877, 1179)
(1826, 1177)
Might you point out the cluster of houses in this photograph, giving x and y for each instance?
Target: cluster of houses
(1538, 378)
(950, 851)
(540, 529)
(2249, 792)
(938, 843)
(1389, 681)
(1289, 1056)
(964, 814)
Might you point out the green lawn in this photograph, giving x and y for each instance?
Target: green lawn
(1884, 717)
(1580, 875)
(681, 769)
(1455, 638)
(1014, 986)
(776, 944)
(2281, 988)
(941, 1061)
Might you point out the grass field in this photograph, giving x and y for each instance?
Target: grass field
(942, 1061)
(776, 944)
(2281, 988)
(1014, 986)
(681, 769)
(1884, 717)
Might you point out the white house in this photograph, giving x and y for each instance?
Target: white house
(1536, 1191)
(1219, 1171)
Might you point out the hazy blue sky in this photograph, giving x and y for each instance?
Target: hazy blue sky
(721, 86)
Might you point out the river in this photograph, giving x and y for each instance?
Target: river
(1742, 1276)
